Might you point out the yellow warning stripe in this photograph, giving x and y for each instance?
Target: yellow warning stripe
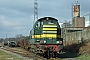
(49, 25)
(49, 35)
(49, 28)
(49, 31)
(46, 36)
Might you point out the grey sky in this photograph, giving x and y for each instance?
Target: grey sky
(16, 16)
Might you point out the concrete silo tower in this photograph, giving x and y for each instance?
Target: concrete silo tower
(76, 19)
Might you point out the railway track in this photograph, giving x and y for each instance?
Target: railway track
(25, 53)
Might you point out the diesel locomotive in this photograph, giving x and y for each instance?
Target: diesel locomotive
(45, 37)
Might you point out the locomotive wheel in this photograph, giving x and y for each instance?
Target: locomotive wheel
(48, 54)
(28, 48)
(45, 54)
(55, 54)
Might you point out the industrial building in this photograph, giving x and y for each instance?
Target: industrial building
(78, 21)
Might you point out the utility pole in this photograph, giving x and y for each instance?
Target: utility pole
(6, 35)
(89, 20)
(35, 11)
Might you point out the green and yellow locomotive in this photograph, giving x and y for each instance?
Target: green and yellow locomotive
(45, 37)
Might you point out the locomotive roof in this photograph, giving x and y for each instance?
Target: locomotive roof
(44, 18)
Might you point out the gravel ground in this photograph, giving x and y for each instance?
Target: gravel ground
(25, 58)
(72, 59)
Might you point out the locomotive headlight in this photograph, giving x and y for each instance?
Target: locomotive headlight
(44, 41)
(61, 42)
(58, 42)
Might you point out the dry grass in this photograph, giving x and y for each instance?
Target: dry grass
(76, 47)
(6, 56)
(85, 48)
(73, 48)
